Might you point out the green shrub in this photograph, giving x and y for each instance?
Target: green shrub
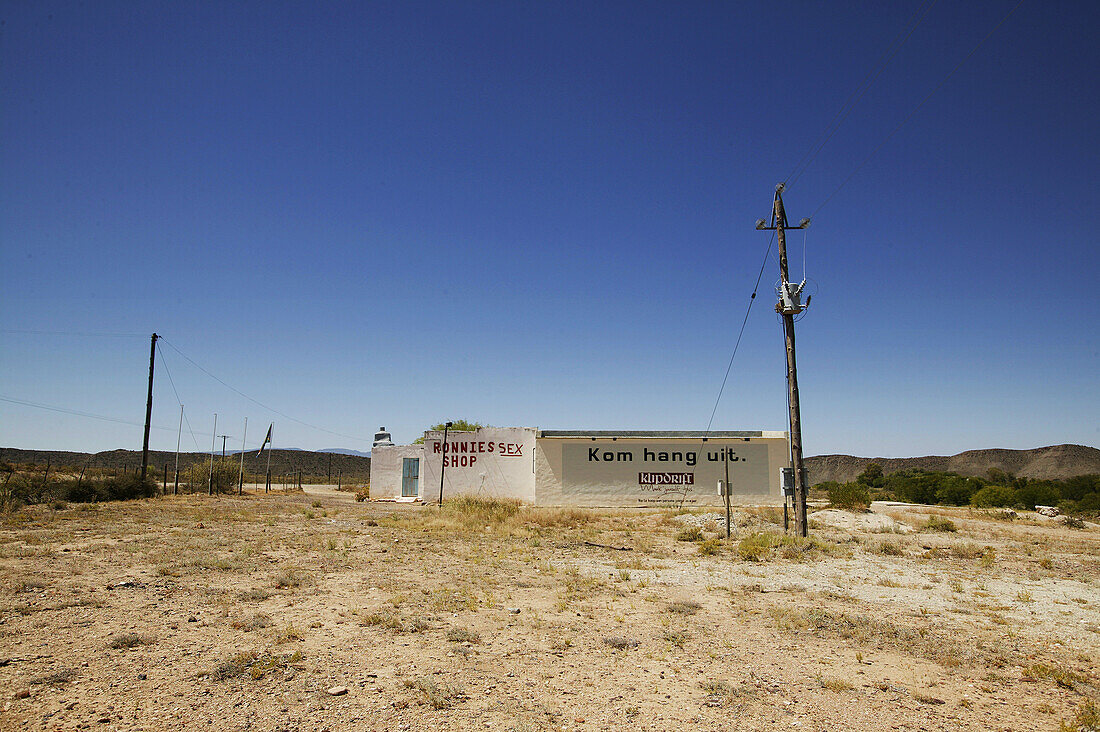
(692, 533)
(938, 523)
(849, 496)
(710, 547)
(226, 471)
(1038, 494)
(956, 490)
(994, 496)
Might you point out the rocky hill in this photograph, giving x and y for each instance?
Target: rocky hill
(1054, 462)
(315, 466)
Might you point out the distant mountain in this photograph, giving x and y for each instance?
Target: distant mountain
(345, 451)
(284, 461)
(1051, 463)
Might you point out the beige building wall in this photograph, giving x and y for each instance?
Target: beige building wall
(640, 469)
(385, 469)
(492, 461)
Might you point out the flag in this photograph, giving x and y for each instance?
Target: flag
(267, 440)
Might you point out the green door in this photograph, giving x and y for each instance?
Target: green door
(410, 478)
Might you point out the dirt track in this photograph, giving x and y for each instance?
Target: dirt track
(241, 613)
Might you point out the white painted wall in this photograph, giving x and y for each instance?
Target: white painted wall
(581, 471)
(492, 461)
(385, 469)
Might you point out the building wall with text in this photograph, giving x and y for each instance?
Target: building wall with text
(658, 471)
(492, 461)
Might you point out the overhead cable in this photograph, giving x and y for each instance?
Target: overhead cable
(37, 405)
(258, 403)
(744, 321)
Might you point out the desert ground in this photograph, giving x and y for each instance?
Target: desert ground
(299, 611)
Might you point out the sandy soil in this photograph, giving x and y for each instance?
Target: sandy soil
(245, 613)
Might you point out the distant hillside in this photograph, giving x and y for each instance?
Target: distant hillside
(1054, 462)
(314, 465)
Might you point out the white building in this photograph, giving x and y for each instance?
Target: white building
(584, 468)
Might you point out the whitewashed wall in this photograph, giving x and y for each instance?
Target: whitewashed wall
(657, 471)
(493, 461)
(385, 469)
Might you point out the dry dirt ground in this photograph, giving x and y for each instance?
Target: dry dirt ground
(231, 613)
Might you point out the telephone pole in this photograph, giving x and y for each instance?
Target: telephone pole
(790, 304)
(443, 466)
(148, 409)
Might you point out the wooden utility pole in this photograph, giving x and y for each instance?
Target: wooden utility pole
(148, 408)
(443, 456)
(790, 304)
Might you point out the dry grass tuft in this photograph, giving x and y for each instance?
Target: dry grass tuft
(462, 635)
(684, 607)
(439, 696)
(252, 622)
(832, 684)
(765, 545)
(1060, 676)
(130, 640)
(57, 678)
(292, 578)
(915, 641)
(939, 523)
(257, 665)
(1087, 719)
(720, 690)
(710, 547)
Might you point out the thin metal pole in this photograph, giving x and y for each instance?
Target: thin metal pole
(240, 475)
(212, 439)
(267, 487)
(729, 489)
(148, 408)
(176, 487)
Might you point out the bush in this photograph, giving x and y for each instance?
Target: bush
(226, 471)
(994, 496)
(710, 547)
(849, 496)
(692, 533)
(872, 476)
(956, 490)
(1037, 493)
(939, 523)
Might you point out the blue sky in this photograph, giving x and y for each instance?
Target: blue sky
(541, 214)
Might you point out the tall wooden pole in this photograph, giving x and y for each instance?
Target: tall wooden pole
(792, 371)
(443, 467)
(148, 409)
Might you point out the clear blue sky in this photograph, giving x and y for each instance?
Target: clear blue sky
(541, 214)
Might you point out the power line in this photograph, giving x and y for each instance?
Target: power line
(258, 403)
(78, 413)
(860, 90)
(744, 321)
(173, 383)
(918, 107)
(74, 333)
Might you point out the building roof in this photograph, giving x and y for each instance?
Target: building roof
(697, 434)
